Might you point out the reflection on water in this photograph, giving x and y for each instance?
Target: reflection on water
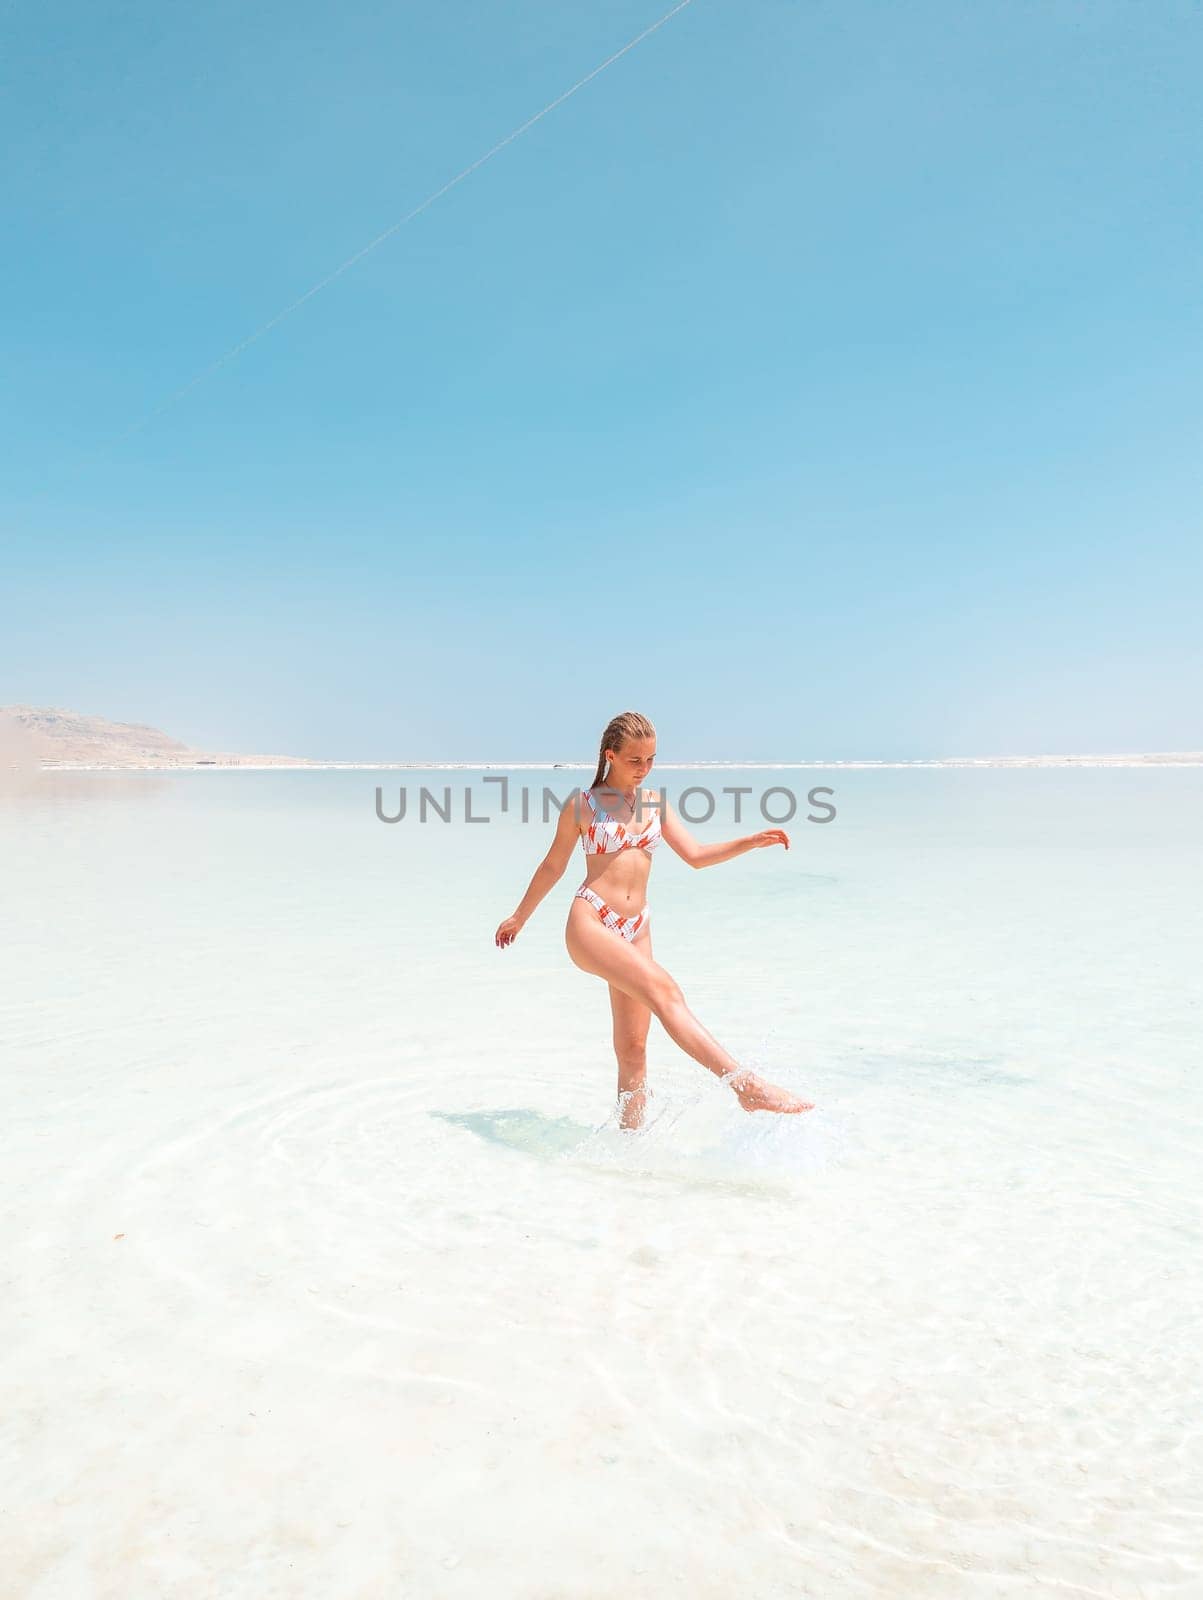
(28, 786)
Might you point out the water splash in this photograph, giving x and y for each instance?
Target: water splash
(697, 1139)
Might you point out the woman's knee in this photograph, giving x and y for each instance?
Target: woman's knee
(665, 994)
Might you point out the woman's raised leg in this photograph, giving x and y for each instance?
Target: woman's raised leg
(607, 955)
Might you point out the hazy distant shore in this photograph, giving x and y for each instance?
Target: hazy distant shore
(52, 739)
(284, 763)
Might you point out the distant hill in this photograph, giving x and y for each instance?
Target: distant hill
(48, 736)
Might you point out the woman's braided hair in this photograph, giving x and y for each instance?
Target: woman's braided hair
(627, 725)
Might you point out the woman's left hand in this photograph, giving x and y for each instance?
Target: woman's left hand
(770, 836)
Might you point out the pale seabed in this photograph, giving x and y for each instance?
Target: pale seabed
(329, 1274)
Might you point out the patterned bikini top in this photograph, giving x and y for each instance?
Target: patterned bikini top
(605, 835)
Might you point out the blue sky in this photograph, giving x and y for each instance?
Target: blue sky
(822, 380)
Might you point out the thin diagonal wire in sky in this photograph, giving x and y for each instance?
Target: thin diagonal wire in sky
(236, 350)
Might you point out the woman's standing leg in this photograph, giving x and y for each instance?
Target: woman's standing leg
(631, 1023)
(632, 1020)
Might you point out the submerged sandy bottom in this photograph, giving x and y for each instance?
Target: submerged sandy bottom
(328, 1273)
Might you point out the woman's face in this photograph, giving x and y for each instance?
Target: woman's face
(631, 765)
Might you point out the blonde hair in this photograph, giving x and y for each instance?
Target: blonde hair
(626, 725)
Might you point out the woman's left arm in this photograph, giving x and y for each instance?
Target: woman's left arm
(678, 838)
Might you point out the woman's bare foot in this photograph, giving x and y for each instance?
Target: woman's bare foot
(756, 1094)
(631, 1104)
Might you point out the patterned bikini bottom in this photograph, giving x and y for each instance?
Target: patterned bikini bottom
(627, 926)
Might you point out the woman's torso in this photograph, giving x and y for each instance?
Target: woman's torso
(623, 843)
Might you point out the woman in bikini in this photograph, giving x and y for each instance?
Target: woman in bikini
(612, 938)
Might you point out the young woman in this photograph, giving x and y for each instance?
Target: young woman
(619, 824)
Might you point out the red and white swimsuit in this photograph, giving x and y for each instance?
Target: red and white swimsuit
(605, 836)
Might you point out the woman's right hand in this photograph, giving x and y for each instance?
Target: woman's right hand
(507, 932)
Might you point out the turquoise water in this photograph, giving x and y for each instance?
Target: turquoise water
(329, 1271)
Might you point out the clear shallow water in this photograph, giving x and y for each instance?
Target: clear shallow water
(397, 1310)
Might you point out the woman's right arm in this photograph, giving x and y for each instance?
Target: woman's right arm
(547, 874)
